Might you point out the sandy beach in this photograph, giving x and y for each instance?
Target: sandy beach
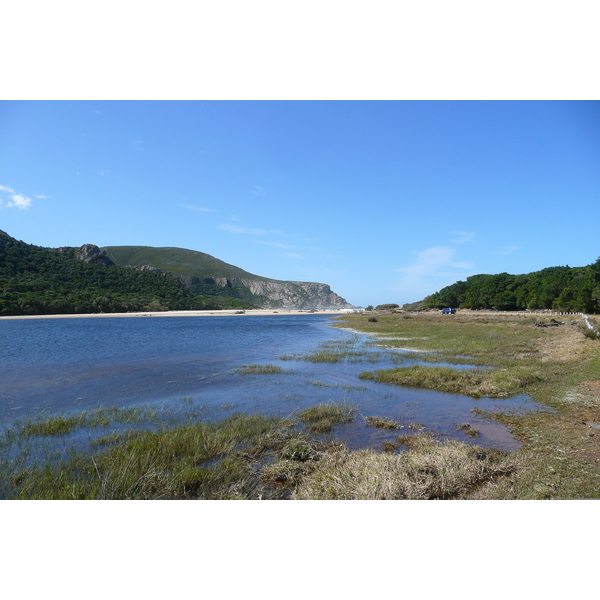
(188, 313)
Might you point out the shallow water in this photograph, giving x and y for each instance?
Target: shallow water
(53, 366)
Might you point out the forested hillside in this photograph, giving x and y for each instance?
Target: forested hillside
(575, 289)
(36, 280)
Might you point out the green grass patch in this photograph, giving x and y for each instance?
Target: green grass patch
(60, 425)
(203, 460)
(469, 382)
(321, 418)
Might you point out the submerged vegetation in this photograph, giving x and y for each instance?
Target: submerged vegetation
(252, 457)
(259, 369)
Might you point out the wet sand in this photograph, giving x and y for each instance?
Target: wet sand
(188, 313)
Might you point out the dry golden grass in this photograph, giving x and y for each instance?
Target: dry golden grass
(450, 470)
(564, 344)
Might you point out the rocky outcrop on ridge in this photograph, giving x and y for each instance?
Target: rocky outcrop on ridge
(288, 294)
(89, 253)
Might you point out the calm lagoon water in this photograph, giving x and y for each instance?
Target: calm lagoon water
(50, 366)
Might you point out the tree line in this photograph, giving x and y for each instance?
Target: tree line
(37, 281)
(568, 289)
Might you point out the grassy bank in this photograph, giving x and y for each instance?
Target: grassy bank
(558, 366)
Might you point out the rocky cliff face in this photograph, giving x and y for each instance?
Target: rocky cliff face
(288, 294)
(267, 293)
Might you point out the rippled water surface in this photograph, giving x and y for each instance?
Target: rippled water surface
(61, 365)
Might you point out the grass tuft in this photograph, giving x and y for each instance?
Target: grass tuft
(382, 423)
(468, 429)
(321, 418)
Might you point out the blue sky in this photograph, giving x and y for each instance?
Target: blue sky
(386, 201)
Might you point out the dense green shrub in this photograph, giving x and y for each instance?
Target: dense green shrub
(569, 289)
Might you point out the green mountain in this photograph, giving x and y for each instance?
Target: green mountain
(569, 289)
(36, 281)
(179, 261)
(205, 274)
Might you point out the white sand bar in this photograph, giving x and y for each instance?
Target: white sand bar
(187, 313)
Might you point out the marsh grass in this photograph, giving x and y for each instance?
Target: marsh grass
(60, 425)
(337, 351)
(321, 418)
(207, 460)
(476, 383)
(324, 356)
(468, 429)
(336, 356)
(560, 456)
(431, 470)
(484, 338)
(382, 423)
(318, 383)
(255, 456)
(260, 369)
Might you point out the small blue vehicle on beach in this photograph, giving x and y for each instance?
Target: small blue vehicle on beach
(448, 311)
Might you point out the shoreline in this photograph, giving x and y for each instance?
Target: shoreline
(189, 313)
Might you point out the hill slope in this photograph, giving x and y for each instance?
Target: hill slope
(203, 273)
(179, 261)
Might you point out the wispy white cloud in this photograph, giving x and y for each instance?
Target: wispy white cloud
(41, 197)
(432, 269)
(248, 231)
(15, 200)
(462, 237)
(200, 208)
(258, 191)
(508, 250)
(19, 201)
